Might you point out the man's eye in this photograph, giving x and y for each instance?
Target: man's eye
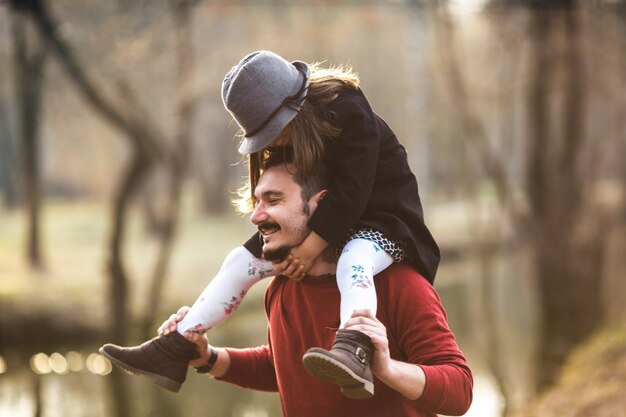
(273, 201)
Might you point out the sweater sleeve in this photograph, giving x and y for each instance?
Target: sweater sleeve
(251, 368)
(427, 341)
(352, 160)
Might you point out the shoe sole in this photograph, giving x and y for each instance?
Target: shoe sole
(160, 380)
(357, 392)
(330, 370)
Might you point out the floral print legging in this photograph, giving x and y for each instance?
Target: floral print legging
(360, 260)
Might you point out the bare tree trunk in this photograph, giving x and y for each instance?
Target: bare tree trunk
(8, 169)
(569, 253)
(477, 144)
(131, 181)
(37, 395)
(569, 267)
(177, 159)
(475, 134)
(30, 55)
(145, 141)
(135, 128)
(143, 138)
(117, 384)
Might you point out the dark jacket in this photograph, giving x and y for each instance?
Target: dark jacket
(371, 185)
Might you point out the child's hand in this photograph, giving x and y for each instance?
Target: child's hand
(291, 267)
(302, 257)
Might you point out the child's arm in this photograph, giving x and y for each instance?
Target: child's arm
(301, 257)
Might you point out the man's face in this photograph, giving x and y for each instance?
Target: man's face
(280, 214)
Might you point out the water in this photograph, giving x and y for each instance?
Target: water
(85, 391)
(54, 390)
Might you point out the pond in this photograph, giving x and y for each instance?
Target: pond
(81, 384)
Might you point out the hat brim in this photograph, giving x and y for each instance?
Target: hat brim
(269, 133)
(279, 121)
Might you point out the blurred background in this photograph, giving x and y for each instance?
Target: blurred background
(118, 161)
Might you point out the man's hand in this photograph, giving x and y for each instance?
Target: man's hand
(202, 344)
(364, 321)
(200, 340)
(171, 324)
(408, 379)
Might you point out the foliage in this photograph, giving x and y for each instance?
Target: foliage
(592, 382)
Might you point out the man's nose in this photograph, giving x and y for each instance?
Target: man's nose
(258, 215)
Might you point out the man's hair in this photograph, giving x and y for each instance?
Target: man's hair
(310, 184)
(309, 130)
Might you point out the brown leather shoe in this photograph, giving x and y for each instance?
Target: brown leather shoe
(346, 364)
(164, 359)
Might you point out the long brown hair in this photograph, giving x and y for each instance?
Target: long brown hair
(308, 131)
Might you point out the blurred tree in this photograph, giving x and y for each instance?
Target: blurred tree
(570, 244)
(177, 156)
(30, 56)
(8, 171)
(213, 176)
(563, 225)
(145, 142)
(150, 149)
(143, 137)
(474, 139)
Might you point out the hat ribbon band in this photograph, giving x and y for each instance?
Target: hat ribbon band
(292, 99)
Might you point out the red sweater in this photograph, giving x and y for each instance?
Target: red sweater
(306, 313)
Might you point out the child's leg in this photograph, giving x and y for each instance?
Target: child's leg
(165, 359)
(360, 260)
(347, 363)
(224, 293)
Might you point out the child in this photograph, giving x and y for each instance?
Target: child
(372, 213)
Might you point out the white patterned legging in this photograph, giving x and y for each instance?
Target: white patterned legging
(360, 260)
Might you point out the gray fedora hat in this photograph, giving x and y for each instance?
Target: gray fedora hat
(263, 93)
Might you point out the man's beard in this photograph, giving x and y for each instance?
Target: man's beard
(280, 253)
(276, 255)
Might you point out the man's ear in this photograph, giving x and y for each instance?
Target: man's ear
(319, 196)
(316, 198)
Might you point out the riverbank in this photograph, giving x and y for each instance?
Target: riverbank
(593, 382)
(67, 299)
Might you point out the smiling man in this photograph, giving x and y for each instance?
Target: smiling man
(283, 204)
(418, 367)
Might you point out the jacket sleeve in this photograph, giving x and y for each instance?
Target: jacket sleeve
(426, 340)
(251, 368)
(351, 159)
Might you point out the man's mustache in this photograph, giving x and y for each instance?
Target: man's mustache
(268, 226)
(278, 254)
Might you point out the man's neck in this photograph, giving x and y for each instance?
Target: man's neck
(325, 263)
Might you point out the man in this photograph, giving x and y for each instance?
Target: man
(418, 367)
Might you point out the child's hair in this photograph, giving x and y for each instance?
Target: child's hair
(309, 130)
